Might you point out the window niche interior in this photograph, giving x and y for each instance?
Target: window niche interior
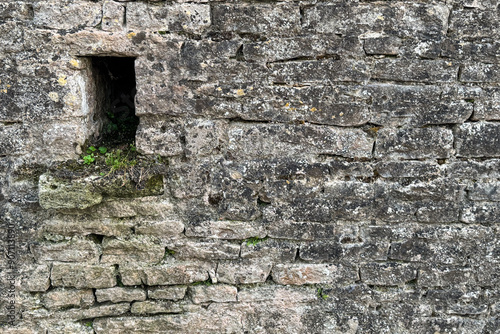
(114, 89)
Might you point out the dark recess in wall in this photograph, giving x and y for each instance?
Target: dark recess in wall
(115, 89)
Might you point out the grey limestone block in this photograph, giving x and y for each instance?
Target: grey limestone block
(414, 143)
(274, 19)
(478, 139)
(63, 298)
(219, 293)
(82, 275)
(194, 18)
(59, 14)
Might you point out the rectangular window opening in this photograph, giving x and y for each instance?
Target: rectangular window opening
(114, 90)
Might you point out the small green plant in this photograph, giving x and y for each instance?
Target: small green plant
(169, 252)
(320, 293)
(117, 160)
(88, 159)
(208, 282)
(255, 240)
(103, 150)
(89, 324)
(133, 148)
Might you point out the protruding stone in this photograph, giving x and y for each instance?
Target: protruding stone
(61, 298)
(76, 250)
(56, 193)
(83, 276)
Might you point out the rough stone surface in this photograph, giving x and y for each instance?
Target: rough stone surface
(60, 298)
(219, 293)
(299, 167)
(117, 295)
(83, 276)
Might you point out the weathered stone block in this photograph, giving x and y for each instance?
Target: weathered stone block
(159, 137)
(36, 278)
(474, 169)
(414, 143)
(473, 24)
(61, 298)
(248, 140)
(194, 18)
(481, 213)
(243, 272)
(348, 248)
(118, 295)
(60, 14)
(225, 229)
(155, 307)
(382, 45)
(300, 230)
(10, 43)
(479, 139)
(431, 276)
(428, 71)
(281, 49)
(84, 225)
(205, 137)
(113, 16)
(387, 273)
(169, 292)
(431, 211)
(479, 72)
(484, 192)
(319, 71)
(277, 294)
(299, 274)
(76, 250)
(15, 10)
(112, 310)
(205, 249)
(475, 50)
(274, 19)
(359, 18)
(487, 107)
(56, 193)
(161, 229)
(171, 273)
(220, 293)
(15, 139)
(210, 321)
(408, 169)
(338, 105)
(133, 249)
(83, 276)
(273, 250)
(415, 106)
(419, 250)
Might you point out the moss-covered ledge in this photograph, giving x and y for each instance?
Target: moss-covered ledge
(70, 188)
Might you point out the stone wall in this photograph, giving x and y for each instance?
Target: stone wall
(327, 167)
